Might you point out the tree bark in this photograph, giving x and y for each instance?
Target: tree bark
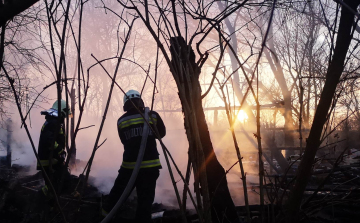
(207, 169)
(334, 72)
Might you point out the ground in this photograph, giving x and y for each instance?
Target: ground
(21, 199)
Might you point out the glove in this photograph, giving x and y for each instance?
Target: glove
(62, 156)
(56, 145)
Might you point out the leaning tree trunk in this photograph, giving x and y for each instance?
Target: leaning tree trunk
(277, 69)
(207, 170)
(333, 75)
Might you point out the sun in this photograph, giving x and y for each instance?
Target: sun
(242, 116)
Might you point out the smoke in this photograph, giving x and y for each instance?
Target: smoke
(22, 153)
(108, 157)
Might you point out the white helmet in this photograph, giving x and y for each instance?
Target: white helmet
(131, 94)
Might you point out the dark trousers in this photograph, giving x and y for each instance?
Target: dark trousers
(56, 176)
(145, 188)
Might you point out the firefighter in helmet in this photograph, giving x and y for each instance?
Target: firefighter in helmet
(51, 149)
(129, 128)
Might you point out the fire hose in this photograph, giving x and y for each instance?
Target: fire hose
(135, 172)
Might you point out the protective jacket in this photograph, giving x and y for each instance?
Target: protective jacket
(130, 126)
(49, 140)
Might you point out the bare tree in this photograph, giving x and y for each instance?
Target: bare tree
(334, 72)
(167, 27)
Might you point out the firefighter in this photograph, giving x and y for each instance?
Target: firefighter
(52, 145)
(130, 127)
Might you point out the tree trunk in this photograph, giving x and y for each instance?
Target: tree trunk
(239, 95)
(8, 142)
(207, 169)
(280, 78)
(332, 79)
(234, 67)
(72, 129)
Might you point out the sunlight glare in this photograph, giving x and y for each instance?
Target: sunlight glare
(242, 116)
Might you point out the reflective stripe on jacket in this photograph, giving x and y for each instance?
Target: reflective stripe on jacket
(135, 119)
(47, 163)
(144, 164)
